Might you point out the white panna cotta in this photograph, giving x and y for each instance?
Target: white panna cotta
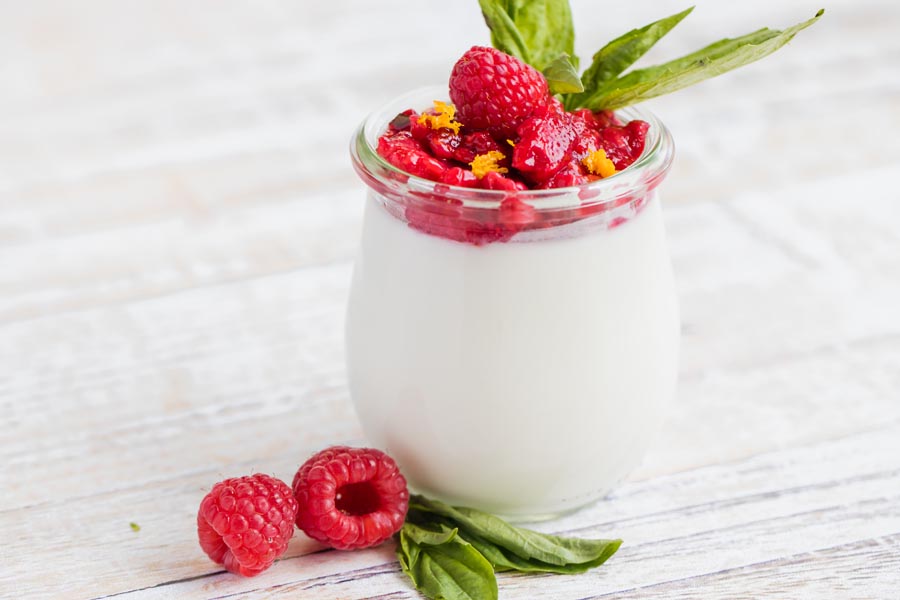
(521, 378)
(513, 351)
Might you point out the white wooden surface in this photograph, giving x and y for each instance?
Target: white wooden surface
(177, 219)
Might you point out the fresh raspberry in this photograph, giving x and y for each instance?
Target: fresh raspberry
(350, 498)
(495, 91)
(245, 523)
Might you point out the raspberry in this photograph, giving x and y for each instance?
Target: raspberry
(244, 523)
(496, 181)
(495, 91)
(545, 143)
(571, 175)
(402, 121)
(623, 145)
(459, 176)
(637, 137)
(350, 498)
(443, 143)
(406, 153)
(599, 119)
(473, 144)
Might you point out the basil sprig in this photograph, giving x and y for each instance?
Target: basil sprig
(541, 33)
(453, 552)
(713, 60)
(610, 61)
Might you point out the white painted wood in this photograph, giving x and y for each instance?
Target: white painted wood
(177, 217)
(802, 508)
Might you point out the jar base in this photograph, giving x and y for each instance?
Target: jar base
(525, 516)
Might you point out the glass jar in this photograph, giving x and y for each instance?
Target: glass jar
(514, 351)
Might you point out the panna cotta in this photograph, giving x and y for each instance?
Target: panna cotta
(524, 373)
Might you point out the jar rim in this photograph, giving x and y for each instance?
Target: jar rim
(639, 178)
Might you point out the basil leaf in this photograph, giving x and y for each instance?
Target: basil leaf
(562, 77)
(524, 543)
(546, 27)
(610, 61)
(407, 552)
(713, 60)
(451, 570)
(421, 535)
(505, 35)
(504, 560)
(536, 31)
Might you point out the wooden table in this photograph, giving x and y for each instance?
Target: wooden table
(177, 221)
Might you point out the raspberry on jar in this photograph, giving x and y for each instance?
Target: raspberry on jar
(495, 91)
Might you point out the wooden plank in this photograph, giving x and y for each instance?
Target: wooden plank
(127, 263)
(865, 570)
(720, 525)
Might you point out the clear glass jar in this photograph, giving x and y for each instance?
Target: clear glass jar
(518, 357)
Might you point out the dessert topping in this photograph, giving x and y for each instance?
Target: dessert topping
(487, 163)
(597, 163)
(495, 91)
(442, 117)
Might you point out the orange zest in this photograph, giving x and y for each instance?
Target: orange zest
(598, 163)
(487, 163)
(443, 117)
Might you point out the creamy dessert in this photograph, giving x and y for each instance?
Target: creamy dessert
(523, 378)
(517, 358)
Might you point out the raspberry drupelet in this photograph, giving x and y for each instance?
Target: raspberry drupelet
(245, 523)
(350, 498)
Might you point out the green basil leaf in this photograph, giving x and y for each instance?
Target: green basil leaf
(562, 77)
(546, 27)
(708, 62)
(428, 537)
(524, 543)
(504, 560)
(505, 35)
(407, 553)
(452, 570)
(536, 31)
(610, 61)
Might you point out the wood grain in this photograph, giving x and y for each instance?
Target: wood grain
(177, 223)
(807, 507)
